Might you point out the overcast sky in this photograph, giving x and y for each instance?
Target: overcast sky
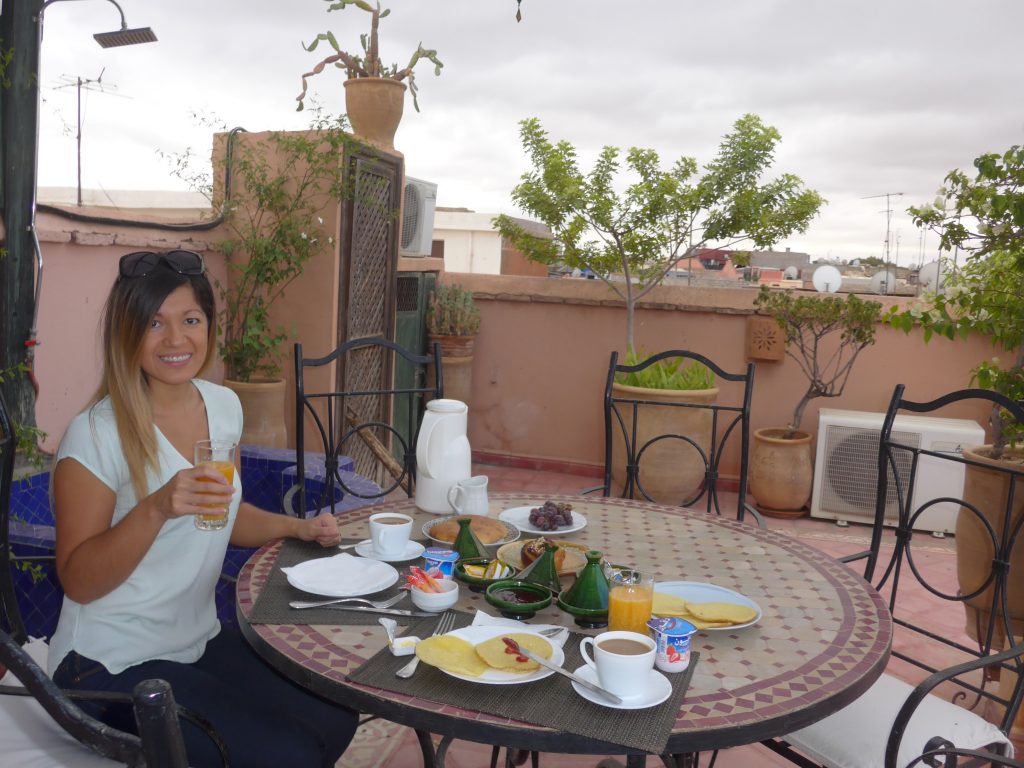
(870, 96)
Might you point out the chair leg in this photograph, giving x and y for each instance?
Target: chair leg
(430, 759)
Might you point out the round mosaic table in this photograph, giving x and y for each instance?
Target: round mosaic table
(823, 640)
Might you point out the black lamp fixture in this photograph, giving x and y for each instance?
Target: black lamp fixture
(120, 37)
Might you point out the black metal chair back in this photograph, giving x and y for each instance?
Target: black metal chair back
(993, 596)
(359, 415)
(720, 423)
(10, 616)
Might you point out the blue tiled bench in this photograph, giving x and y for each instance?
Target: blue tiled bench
(266, 474)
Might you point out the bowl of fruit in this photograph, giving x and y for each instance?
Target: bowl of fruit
(480, 572)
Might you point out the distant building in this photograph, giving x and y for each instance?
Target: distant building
(472, 244)
(780, 259)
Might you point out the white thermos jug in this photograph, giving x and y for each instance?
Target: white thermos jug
(442, 454)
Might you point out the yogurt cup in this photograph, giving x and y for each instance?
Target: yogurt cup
(672, 636)
(441, 559)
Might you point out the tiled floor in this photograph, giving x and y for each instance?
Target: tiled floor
(383, 744)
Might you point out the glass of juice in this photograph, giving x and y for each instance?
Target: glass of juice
(219, 454)
(630, 594)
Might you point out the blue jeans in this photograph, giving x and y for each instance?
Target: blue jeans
(265, 719)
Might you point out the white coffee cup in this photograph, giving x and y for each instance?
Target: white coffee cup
(389, 533)
(469, 496)
(623, 661)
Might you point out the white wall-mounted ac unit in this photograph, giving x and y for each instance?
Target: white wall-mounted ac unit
(846, 466)
(419, 199)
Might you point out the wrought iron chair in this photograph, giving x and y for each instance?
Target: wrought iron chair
(940, 753)
(715, 427)
(894, 722)
(357, 416)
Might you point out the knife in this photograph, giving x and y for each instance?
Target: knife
(387, 611)
(562, 671)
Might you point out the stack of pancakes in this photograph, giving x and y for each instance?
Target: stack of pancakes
(702, 615)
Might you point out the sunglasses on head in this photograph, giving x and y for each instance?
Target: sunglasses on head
(142, 263)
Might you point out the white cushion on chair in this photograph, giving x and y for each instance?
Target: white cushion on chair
(29, 737)
(855, 736)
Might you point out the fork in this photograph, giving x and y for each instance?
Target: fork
(375, 603)
(444, 624)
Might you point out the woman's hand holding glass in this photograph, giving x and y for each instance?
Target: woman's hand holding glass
(192, 492)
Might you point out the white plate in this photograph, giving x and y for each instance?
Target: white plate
(477, 635)
(511, 533)
(520, 518)
(413, 549)
(658, 689)
(341, 576)
(702, 592)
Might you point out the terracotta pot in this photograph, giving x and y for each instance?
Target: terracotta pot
(456, 364)
(454, 346)
(781, 472)
(986, 490)
(671, 471)
(263, 403)
(374, 106)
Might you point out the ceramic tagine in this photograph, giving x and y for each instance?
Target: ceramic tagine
(587, 599)
(466, 542)
(543, 571)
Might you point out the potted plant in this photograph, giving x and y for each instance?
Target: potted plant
(374, 91)
(453, 321)
(824, 335)
(275, 187)
(984, 217)
(669, 472)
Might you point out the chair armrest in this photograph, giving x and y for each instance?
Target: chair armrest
(950, 755)
(931, 682)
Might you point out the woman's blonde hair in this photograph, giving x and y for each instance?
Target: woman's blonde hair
(130, 307)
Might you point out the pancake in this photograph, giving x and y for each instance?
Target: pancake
(493, 652)
(452, 654)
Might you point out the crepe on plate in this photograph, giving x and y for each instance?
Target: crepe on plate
(453, 654)
(487, 529)
(702, 615)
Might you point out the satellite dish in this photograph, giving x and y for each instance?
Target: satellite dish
(791, 273)
(883, 282)
(932, 276)
(827, 279)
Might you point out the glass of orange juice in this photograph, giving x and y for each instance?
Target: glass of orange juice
(630, 595)
(219, 454)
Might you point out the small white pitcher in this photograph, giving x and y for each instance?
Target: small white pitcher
(469, 496)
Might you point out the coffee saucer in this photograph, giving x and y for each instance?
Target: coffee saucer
(413, 549)
(658, 689)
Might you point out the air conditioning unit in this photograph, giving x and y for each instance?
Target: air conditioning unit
(418, 202)
(846, 466)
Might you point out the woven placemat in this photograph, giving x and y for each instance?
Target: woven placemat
(550, 702)
(272, 605)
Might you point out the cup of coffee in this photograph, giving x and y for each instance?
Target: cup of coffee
(389, 533)
(623, 661)
(469, 496)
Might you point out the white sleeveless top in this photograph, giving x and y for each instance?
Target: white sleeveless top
(165, 608)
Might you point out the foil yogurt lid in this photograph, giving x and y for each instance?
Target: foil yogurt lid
(672, 626)
(441, 554)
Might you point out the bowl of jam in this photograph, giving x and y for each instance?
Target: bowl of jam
(516, 599)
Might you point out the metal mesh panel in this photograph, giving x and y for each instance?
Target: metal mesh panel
(408, 293)
(851, 470)
(367, 314)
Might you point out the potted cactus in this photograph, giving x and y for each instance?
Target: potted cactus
(453, 321)
(374, 91)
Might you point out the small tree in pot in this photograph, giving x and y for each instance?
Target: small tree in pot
(453, 321)
(824, 335)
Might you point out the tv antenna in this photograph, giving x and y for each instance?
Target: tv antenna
(88, 84)
(888, 221)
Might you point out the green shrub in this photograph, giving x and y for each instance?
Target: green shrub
(669, 373)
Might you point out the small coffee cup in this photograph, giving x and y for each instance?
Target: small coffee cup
(389, 533)
(623, 661)
(469, 496)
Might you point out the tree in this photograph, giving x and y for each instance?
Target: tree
(662, 216)
(983, 216)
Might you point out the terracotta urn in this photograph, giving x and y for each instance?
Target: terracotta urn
(263, 403)
(457, 365)
(374, 106)
(781, 472)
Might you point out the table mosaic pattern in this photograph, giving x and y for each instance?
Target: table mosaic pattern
(824, 632)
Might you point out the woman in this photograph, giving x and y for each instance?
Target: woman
(138, 575)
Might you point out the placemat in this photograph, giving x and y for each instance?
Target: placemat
(272, 607)
(550, 702)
